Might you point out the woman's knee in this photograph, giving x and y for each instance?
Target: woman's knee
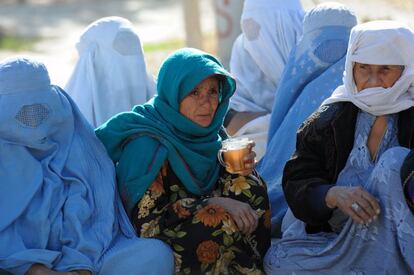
(138, 256)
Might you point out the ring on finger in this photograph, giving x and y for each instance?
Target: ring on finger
(355, 206)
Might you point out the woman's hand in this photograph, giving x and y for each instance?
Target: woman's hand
(249, 161)
(242, 213)
(356, 202)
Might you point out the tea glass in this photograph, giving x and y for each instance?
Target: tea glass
(232, 153)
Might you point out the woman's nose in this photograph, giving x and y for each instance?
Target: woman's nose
(374, 80)
(203, 99)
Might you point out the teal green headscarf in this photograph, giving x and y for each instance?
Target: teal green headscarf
(141, 140)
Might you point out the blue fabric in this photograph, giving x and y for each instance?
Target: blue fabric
(166, 134)
(313, 71)
(383, 245)
(360, 164)
(58, 199)
(138, 256)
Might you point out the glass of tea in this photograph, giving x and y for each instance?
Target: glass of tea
(232, 153)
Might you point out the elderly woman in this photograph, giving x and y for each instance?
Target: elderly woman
(60, 211)
(313, 71)
(343, 181)
(110, 75)
(171, 181)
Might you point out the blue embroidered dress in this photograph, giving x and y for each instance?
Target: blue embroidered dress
(384, 245)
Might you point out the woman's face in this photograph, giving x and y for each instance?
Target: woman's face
(201, 103)
(371, 76)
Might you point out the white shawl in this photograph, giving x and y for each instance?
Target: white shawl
(379, 43)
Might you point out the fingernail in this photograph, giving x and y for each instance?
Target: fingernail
(369, 221)
(378, 211)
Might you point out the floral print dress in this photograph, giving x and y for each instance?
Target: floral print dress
(204, 238)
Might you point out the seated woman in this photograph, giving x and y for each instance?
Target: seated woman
(60, 211)
(111, 75)
(343, 181)
(171, 181)
(270, 29)
(313, 71)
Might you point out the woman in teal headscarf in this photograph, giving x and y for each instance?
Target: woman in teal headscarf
(171, 182)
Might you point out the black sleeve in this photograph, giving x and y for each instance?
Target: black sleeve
(305, 176)
(407, 178)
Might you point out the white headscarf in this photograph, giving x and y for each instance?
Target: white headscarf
(270, 29)
(111, 75)
(379, 43)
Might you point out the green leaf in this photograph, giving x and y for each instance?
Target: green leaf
(178, 247)
(247, 193)
(173, 197)
(181, 234)
(195, 220)
(174, 188)
(227, 240)
(216, 233)
(182, 194)
(235, 249)
(169, 233)
(258, 201)
(251, 182)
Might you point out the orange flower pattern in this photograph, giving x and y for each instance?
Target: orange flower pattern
(156, 186)
(211, 215)
(208, 252)
(181, 212)
(204, 238)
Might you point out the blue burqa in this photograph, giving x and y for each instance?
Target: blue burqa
(314, 69)
(58, 199)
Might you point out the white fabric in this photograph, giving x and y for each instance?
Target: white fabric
(256, 130)
(270, 29)
(379, 43)
(111, 75)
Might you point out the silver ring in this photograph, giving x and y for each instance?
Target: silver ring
(355, 206)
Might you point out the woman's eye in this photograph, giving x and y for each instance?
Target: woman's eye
(195, 93)
(213, 92)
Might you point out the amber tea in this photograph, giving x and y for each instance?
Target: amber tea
(232, 154)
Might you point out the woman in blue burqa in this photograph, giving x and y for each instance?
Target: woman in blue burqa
(343, 182)
(60, 211)
(314, 69)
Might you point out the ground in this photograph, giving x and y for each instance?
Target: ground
(58, 24)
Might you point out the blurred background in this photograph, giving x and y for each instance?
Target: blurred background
(49, 29)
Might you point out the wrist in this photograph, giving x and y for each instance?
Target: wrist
(330, 200)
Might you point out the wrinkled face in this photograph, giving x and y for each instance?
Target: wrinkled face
(201, 103)
(371, 76)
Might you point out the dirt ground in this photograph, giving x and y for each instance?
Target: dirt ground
(60, 22)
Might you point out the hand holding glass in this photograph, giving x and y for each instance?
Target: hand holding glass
(233, 153)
